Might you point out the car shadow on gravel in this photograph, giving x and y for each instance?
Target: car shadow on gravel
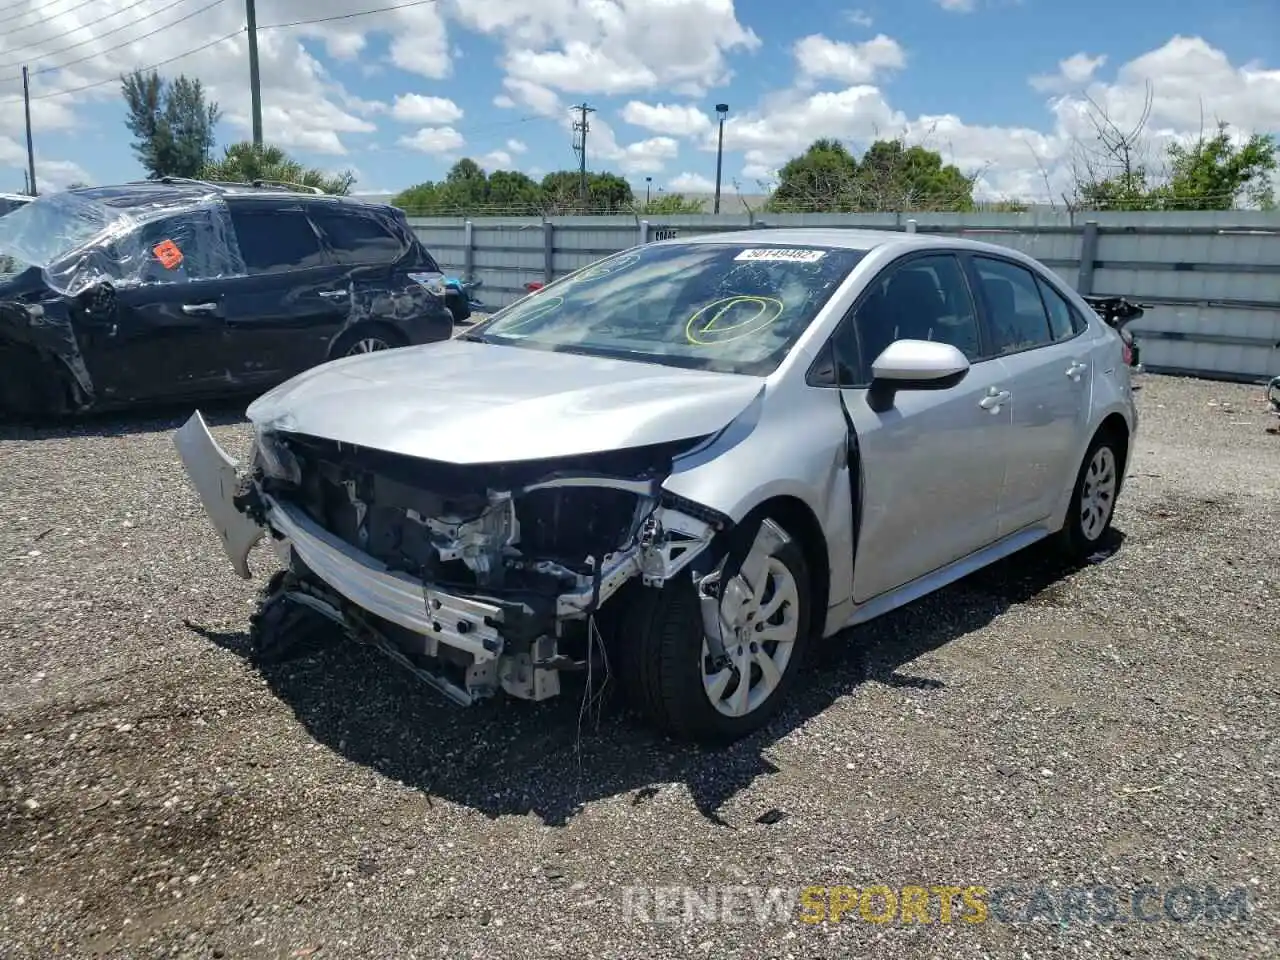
(505, 757)
(223, 411)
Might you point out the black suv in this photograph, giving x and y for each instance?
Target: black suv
(181, 289)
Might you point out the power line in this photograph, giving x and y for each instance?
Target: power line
(349, 16)
(24, 13)
(82, 26)
(200, 49)
(127, 43)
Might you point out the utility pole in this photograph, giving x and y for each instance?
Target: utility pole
(580, 127)
(31, 152)
(255, 83)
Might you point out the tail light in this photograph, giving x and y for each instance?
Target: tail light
(1128, 355)
(533, 286)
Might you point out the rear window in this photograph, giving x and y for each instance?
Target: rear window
(709, 306)
(358, 236)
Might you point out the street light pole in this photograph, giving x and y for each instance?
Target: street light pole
(722, 111)
(647, 181)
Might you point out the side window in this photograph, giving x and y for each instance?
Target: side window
(926, 298)
(1016, 312)
(1063, 322)
(179, 248)
(357, 237)
(272, 241)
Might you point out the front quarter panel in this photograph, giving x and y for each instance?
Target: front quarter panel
(791, 441)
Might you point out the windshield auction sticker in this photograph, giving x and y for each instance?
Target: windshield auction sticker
(780, 255)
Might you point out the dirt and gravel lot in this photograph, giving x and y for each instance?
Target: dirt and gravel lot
(1114, 725)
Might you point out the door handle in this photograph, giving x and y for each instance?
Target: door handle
(200, 309)
(994, 400)
(335, 294)
(1076, 369)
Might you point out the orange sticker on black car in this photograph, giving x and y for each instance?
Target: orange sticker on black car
(168, 254)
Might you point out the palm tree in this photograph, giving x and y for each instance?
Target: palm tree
(244, 163)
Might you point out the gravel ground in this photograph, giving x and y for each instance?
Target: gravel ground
(1032, 726)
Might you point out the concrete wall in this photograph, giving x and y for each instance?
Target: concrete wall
(1214, 277)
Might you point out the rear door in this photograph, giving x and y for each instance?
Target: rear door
(1037, 339)
(282, 315)
(165, 338)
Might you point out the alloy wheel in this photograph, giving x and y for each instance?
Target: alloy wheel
(1098, 495)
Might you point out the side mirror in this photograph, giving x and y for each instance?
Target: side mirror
(914, 365)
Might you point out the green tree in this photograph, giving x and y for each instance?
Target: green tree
(244, 163)
(606, 193)
(671, 204)
(1216, 173)
(890, 176)
(171, 122)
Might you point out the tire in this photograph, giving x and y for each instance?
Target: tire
(366, 339)
(38, 388)
(1093, 499)
(458, 307)
(662, 654)
(283, 630)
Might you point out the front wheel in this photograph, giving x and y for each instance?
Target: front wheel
(1093, 500)
(674, 680)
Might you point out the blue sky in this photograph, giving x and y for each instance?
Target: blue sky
(959, 75)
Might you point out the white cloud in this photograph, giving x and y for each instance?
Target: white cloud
(434, 140)
(691, 183)
(674, 119)
(613, 47)
(820, 58)
(496, 160)
(859, 18)
(304, 108)
(50, 174)
(415, 108)
(958, 6)
(604, 152)
(532, 96)
(517, 146)
(1073, 72)
(1189, 79)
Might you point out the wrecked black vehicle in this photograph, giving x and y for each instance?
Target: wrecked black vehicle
(183, 289)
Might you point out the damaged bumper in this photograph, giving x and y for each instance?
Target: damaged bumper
(496, 641)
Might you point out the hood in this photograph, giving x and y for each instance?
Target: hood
(467, 403)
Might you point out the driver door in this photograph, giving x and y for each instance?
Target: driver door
(932, 464)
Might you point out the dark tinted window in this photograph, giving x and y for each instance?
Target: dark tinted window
(1016, 312)
(275, 240)
(357, 237)
(1063, 323)
(926, 298)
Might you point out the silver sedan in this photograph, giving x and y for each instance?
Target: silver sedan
(681, 467)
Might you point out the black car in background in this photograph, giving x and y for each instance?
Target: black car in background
(12, 201)
(183, 289)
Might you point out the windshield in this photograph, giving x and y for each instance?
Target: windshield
(710, 306)
(48, 228)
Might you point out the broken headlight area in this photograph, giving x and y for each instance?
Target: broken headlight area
(511, 560)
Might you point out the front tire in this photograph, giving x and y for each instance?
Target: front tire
(667, 668)
(1093, 500)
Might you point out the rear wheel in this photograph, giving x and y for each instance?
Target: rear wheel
(668, 667)
(366, 339)
(1093, 500)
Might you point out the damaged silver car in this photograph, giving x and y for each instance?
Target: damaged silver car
(683, 465)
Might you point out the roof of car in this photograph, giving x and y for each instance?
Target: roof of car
(848, 239)
(180, 192)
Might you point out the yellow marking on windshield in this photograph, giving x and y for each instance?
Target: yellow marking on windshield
(712, 332)
(609, 267)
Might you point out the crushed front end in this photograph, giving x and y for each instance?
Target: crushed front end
(479, 577)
